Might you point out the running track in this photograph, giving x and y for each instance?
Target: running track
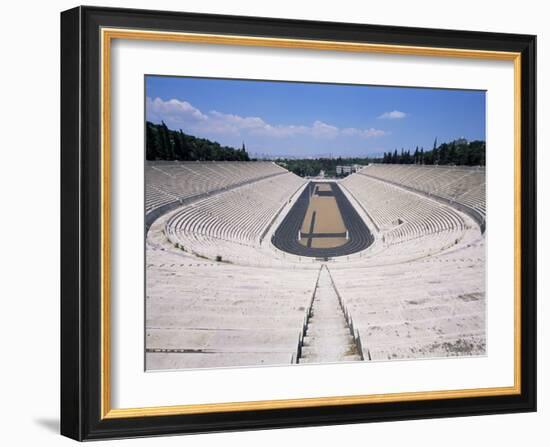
(286, 236)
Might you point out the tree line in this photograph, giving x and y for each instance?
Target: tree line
(166, 144)
(458, 152)
(309, 167)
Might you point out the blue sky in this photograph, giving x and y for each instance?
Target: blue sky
(308, 120)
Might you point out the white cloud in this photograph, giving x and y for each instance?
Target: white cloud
(324, 130)
(173, 109)
(239, 122)
(393, 115)
(365, 133)
(182, 115)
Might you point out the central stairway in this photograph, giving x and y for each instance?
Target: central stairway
(327, 337)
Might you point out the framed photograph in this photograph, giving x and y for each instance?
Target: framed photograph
(275, 223)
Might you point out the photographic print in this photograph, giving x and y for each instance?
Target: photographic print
(294, 223)
(272, 223)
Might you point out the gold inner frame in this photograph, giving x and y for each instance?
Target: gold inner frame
(107, 35)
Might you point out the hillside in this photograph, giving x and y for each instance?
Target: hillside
(166, 144)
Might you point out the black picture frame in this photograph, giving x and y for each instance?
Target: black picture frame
(81, 208)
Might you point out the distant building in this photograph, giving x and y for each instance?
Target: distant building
(345, 170)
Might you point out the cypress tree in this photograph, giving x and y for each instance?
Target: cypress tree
(452, 155)
(165, 144)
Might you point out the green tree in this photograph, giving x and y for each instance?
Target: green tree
(165, 144)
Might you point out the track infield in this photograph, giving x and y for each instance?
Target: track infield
(323, 226)
(322, 223)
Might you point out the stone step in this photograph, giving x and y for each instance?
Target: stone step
(352, 358)
(328, 338)
(313, 331)
(328, 359)
(332, 323)
(333, 342)
(311, 351)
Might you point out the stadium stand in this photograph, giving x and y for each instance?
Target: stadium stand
(204, 314)
(220, 293)
(433, 307)
(402, 215)
(460, 186)
(172, 183)
(216, 226)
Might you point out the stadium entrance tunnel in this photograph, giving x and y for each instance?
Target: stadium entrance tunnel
(322, 223)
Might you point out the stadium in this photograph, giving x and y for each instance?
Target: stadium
(248, 264)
